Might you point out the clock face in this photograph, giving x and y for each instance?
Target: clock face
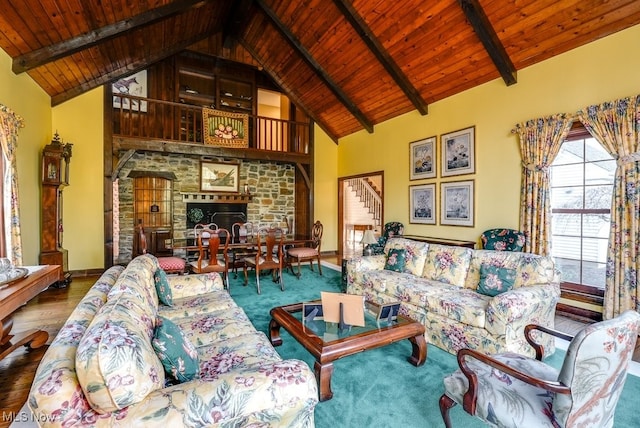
(51, 169)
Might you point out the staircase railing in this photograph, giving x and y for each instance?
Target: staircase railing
(368, 196)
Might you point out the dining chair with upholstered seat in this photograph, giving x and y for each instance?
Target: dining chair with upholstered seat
(512, 390)
(309, 252)
(213, 246)
(169, 264)
(269, 256)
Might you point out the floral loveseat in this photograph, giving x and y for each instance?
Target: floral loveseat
(456, 293)
(102, 369)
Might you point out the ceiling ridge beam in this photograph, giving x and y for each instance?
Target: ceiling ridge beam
(124, 71)
(236, 21)
(70, 46)
(378, 50)
(296, 100)
(489, 38)
(315, 66)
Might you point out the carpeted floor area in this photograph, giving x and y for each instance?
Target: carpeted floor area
(379, 387)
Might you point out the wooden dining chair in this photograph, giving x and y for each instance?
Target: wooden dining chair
(269, 256)
(307, 253)
(169, 264)
(241, 233)
(213, 247)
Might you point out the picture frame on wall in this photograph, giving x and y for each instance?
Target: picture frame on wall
(422, 204)
(457, 203)
(219, 177)
(134, 85)
(422, 154)
(458, 152)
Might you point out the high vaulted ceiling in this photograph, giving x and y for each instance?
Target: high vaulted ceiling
(350, 64)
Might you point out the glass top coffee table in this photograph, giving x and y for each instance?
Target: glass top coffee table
(327, 343)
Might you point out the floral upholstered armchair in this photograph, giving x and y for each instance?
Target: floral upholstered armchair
(391, 229)
(503, 240)
(512, 390)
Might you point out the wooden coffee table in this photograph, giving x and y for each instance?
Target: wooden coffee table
(328, 344)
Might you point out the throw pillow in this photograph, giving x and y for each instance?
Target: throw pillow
(495, 280)
(162, 287)
(396, 260)
(177, 354)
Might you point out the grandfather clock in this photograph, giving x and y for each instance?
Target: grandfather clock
(55, 176)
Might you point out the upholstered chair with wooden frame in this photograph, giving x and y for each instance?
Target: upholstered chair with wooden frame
(503, 240)
(511, 390)
(169, 264)
(213, 246)
(269, 256)
(309, 252)
(241, 233)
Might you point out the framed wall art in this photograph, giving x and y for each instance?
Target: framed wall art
(219, 177)
(225, 129)
(457, 203)
(422, 205)
(458, 152)
(422, 154)
(135, 85)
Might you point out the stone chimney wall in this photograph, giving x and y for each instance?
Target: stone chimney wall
(271, 185)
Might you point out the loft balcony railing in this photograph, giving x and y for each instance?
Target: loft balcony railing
(146, 118)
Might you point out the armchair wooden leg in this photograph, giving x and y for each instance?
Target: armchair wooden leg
(258, 279)
(319, 266)
(446, 403)
(246, 276)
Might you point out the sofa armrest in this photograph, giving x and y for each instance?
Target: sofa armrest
(516, 308)
(284, 390)
(361, 264)
(194, 285)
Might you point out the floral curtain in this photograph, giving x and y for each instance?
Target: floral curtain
(616, 125)
(540, 141)
(10, 123)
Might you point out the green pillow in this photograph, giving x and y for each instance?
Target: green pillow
(495, 280)
(177, 354)
(162, 287)
(396, 260)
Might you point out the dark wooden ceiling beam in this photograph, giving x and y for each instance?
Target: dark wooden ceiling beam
(131, 68)
(235, 22)
(315, 66)
(297, 101)
(381, 54)
(70, 46)
(487, 35)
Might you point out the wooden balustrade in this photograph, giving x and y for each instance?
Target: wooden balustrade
(146, 118)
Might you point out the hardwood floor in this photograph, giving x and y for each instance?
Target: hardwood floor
(49, 311)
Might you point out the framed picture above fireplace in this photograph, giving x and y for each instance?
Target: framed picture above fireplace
(219, 177)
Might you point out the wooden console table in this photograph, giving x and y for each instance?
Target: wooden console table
(441, 241)
(13, 296)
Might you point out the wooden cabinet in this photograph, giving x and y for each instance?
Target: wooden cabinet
(235, 95)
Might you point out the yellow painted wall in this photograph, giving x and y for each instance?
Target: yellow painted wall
(21, 94)
(80, 121)
(326, 188)
(601, 71)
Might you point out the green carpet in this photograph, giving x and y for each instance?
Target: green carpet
(378, 387)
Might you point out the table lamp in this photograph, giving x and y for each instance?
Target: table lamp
(368, 238)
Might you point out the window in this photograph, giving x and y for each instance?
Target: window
(581, 189)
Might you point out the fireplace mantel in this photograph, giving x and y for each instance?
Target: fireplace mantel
(220, 198)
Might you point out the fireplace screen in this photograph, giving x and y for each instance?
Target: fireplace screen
(224, 215)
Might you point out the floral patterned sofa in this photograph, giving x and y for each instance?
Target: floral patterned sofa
(478, 299)
(104, 367)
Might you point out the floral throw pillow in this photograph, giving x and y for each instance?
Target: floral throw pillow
(396, 260)
(162, 287)
(495, 280)
(178, 356)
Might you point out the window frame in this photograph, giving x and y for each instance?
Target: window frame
(570, 290)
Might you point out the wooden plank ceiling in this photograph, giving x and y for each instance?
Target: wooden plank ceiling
(350, 64)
